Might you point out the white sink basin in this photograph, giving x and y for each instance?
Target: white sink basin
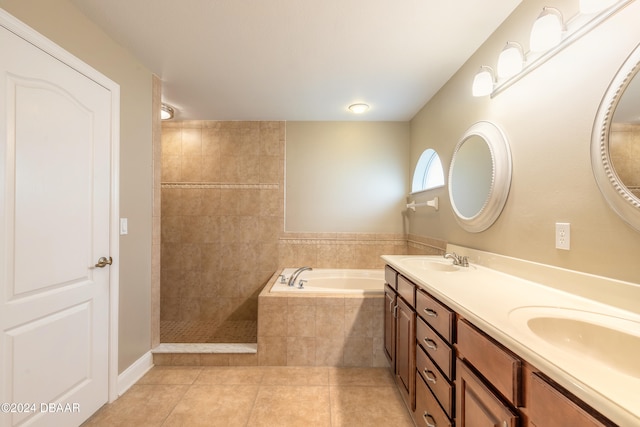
(430, 264)
(612, 341)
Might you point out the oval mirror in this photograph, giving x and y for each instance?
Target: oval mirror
(480, 176)
(615, 142)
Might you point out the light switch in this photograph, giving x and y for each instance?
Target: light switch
(124, 227)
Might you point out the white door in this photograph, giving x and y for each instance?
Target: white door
(55, 126)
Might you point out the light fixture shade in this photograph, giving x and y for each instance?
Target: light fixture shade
(483, 82)
(547, 30)
(166, 112)
(358, 108)
(511, 60)
(593, 6)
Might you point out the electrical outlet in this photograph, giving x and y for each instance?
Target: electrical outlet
(563, 235)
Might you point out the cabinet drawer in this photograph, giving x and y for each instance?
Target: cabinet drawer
(437, 348)
(428, 412)
(391, 277)
(439, 317)
(495, 363)
(441, 388)
(549, 407)
(407, 290)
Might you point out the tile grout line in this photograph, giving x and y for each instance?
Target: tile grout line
(181, 397)
(255, 398)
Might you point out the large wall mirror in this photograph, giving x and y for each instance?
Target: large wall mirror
(480, 176)
(615, 142)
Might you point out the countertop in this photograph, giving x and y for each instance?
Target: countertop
(500, 304)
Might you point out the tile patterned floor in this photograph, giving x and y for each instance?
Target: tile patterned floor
(259, 396)
(230, 331)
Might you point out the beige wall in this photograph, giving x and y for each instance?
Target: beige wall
(62, 23)
(346, 176)
(548, 118)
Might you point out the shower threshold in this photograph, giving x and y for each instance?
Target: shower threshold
(206, 348)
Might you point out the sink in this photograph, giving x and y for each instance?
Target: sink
(430, 264)
(610, 340)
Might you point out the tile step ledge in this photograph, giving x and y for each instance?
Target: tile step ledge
(204, 348)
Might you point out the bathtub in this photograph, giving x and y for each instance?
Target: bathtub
(334, 281)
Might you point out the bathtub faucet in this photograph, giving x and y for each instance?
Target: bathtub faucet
(295, 274)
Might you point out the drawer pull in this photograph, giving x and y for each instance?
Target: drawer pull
(431, 313)
(431, 344)
(429, 420)
(430, 376)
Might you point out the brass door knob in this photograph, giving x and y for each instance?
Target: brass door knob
(103, 262)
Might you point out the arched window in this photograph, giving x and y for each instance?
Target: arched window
(429, 173)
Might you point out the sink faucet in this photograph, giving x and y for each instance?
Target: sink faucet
(462, 261)
(295, 274)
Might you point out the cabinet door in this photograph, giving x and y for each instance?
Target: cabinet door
(550, 407)
(390, 326)
(477, 405)
(406, 351)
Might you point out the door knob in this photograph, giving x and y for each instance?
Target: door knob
(103, 262)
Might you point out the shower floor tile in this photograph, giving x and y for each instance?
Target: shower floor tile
(231, 331)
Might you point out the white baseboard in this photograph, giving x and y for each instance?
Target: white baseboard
(134, 372)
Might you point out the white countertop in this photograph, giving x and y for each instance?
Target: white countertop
(500, 304)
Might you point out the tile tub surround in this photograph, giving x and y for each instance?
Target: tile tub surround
(351, 250)
(322, 330)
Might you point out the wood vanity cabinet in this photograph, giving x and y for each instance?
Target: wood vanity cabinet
(406, 341)
(478, 405)
(488, 380)
(399, 332)
(449, 372)
(549, 405)
(435, 362)
(495, 387)
(405, 352)
(390, 298)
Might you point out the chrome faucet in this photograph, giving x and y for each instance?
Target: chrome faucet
(462, 261)
(295, 274)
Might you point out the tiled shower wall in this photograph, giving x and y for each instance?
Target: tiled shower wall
(222, 214)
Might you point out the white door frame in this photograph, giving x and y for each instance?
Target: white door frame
(22, 30)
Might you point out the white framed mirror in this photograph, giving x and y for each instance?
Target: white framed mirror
(480, 176)
(615, 142)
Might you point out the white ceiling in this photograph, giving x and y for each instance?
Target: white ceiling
(299, 59)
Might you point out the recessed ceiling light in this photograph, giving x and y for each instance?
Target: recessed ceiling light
(166, 112)
(358, 108)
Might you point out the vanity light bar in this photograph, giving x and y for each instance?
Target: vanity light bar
(587, 19)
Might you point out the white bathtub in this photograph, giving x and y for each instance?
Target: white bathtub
(334, 281)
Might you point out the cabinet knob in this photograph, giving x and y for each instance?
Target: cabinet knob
(430, 376)
(431, 345)
(431, 313)
(429, 420)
